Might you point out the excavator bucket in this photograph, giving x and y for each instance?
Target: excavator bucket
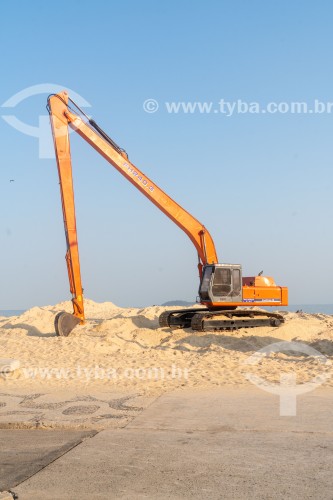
(64, 323)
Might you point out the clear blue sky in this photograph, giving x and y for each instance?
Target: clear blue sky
(261, 183)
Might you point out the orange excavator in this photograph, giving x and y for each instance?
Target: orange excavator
(223, 292)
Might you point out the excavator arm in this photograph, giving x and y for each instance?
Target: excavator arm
(64, 323)
(63, 116)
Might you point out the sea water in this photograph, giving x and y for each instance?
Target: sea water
(307, 308)
(11, 312)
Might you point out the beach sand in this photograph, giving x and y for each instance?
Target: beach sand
(124, 349)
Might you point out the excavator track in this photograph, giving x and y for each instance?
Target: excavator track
(233, 320)
(179, 318)
(203, 320)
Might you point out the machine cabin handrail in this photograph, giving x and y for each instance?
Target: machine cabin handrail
(61, 117)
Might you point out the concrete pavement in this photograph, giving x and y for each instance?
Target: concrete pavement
(25, 452)
(222, 443)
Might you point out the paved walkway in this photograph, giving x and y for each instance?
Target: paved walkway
(54, 409)
(23, 453)
(223, 443)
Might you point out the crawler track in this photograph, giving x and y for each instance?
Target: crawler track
(203, 320)
(178, 318)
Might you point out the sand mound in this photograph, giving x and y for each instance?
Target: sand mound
(125, 348)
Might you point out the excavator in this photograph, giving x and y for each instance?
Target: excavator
(230, 301)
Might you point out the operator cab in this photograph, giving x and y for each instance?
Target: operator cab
(221, 283)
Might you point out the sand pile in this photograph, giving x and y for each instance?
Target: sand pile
(125, 348)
